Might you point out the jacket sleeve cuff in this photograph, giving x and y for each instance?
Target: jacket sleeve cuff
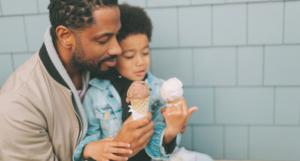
(155, 148)
(78, 152)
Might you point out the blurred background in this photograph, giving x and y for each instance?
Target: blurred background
(239, 61)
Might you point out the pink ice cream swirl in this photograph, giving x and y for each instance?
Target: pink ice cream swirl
(171, 89)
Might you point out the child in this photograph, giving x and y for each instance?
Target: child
(105, 102)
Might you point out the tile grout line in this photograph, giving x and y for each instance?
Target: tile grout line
(274, 105)
(214, 104)
(193, 67)
(37, 5)
(212, 25)
(25, 30)
(263, 66)
(192, 126)
(247, 22)
(222, 46)
(12, 61)
(248, 150)
(236, 66)
(208, 4)
(1, 12)
(224, 147)
(283, 22)
(178, 32)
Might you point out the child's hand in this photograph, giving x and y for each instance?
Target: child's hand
(106, 150)
(176, 118)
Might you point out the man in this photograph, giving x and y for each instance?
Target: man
(41, 116)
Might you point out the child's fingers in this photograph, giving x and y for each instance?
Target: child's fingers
(192, 109)
(168, 109)
(184, 106)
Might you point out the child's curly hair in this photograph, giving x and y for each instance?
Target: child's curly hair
(134, 20)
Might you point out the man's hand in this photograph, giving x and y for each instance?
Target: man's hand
(138, 133)
(176, 118)
(105, 149)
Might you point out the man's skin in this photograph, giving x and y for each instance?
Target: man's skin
(99, 42)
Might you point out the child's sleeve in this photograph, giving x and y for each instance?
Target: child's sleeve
(93, 132)
(155, 148)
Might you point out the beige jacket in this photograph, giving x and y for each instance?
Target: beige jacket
(41, 117)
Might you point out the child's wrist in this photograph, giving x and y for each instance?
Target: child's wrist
(169, 135)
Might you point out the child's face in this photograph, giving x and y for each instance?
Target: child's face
(134, 62)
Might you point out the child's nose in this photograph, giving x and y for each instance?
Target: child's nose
(140, 61)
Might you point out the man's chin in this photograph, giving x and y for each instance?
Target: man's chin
(103, 73)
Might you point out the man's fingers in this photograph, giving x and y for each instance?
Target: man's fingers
(115, 157)
(192, 109)
(119, 144)
(108, 139)
(119, 150)
(184, 106)
(129, 119)
(139, 123)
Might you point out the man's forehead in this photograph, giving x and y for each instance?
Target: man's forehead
(106, 15)
(106, 21)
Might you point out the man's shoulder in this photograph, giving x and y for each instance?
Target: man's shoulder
(21, 76)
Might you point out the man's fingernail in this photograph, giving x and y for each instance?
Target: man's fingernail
(126, 158)
(131, 152)
(128, 145)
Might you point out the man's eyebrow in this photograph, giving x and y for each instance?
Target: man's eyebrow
(102, 35)
(146, 47)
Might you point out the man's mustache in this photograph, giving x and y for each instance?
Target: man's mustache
(109, 58)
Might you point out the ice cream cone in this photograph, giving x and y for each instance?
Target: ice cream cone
(173, 102)
(140, 105)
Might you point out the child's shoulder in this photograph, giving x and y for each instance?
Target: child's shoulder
(153, 79)
(97, 86)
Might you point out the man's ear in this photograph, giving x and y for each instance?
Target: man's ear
(65, 36)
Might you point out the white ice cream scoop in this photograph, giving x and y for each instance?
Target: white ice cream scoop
(171, 90)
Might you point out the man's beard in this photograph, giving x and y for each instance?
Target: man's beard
(81, 60)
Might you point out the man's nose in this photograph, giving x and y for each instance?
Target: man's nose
(115, 48)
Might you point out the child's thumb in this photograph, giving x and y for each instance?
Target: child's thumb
(192, 109)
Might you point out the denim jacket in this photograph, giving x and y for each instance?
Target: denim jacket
(102, 97)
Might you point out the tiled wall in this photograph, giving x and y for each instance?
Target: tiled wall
(239, 61)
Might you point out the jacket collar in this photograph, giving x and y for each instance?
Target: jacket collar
(50, 67)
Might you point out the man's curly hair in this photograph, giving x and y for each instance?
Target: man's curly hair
(134, 20)
(75, 14)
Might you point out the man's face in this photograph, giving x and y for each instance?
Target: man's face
(97, 47)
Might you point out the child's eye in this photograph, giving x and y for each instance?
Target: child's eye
(145, 53)
(129, 57)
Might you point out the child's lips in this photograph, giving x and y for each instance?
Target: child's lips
(140, 73)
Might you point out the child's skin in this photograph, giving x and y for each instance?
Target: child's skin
(133, 64)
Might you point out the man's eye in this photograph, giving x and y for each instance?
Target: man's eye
(103, 42)
(145, 53)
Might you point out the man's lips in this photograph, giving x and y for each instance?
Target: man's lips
(140, 73)
(111, 63)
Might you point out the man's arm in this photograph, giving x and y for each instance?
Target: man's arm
(23, 133)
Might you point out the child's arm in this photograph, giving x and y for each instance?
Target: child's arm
(91, 146)
(156, 148)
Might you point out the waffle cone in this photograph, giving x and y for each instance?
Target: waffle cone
(173, 102)
(140, 106)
